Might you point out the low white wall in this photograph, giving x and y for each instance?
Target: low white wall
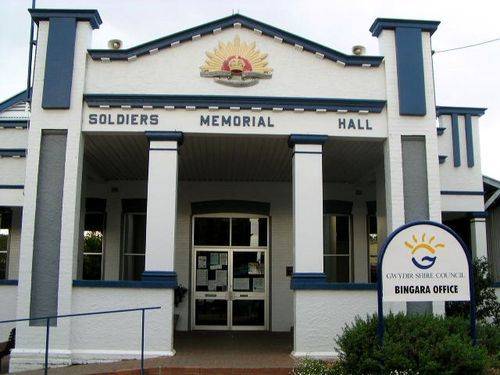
(8, 303)
(320, 316)
(118, 336)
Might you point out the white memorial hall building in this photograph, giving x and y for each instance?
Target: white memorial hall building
(259, 170)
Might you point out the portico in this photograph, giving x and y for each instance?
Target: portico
(263, 187)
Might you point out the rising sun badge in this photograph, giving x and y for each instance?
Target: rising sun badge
(236, 63)
(423, 251)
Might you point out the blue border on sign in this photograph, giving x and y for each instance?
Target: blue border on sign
(380, 328)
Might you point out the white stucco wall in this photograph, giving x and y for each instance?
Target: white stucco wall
(118, 336)
(179, 68)
(321, 315)
(8, 297)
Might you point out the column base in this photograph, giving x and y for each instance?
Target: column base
(167, 277)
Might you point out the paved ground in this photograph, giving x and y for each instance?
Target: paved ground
(218, 352)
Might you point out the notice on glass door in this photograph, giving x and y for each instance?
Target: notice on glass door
(202, 262)
(258, 284)
(221, 277)
(241, 283)
(201, 277)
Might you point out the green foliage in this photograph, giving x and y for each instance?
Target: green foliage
(311, 366)
(487, 305)
(422, 344)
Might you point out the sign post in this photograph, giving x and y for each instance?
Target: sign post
(424, 261)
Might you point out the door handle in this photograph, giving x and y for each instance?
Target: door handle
(243, 295)
(210, 295)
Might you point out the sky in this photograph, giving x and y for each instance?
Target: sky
(466, 77)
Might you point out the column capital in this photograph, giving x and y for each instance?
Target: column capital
(165, 136)
(306, 139)
(89, 15)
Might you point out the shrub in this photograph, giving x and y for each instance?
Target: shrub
(422, 344)
(487, 305)
(311, 366)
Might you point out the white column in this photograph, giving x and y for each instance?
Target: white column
(162, 206)
(478, 237)
(307, 203)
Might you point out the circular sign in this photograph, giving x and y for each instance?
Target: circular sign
(424, 261)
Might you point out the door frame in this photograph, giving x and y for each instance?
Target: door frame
(230, 250)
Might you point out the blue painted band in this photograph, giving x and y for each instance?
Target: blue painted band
(477, 214)
(307, 280)
(496, 284)
(59, 59)
(445, 110)
(306, 139)
(455, 135)
(231, 206)
(442, 159)
(461, 192)
(121, 284)
(13, 100)
(440, 130)
(90, 15)
(14, 124)
(12, 152)
(410, 63)
(392, 23)
(169, 278)
(226, 102)
(469, 141)
(228, 22)
(12, 187)
(165, 136)
(8, 282)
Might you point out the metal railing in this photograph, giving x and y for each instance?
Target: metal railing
(49, 318)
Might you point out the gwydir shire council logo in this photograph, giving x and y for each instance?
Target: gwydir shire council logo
(423, 251)
(236, 63)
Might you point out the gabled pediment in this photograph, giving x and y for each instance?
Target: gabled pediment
(234, 21)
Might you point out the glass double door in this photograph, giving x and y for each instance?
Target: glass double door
(230, 280)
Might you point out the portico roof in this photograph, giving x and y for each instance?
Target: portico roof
(238, 21)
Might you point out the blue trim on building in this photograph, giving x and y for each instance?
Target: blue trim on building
(317, 281)
(13, 100)
(12, 152)
(226, 102)
(461, 192)
(90, 15)
(16, 187)
(168, 278)
(228, 22)
(59, 59)
(306, 139)
(410, 63)
(455, 136)
(440, 130)
(165, 136)
(8, 282)
(121, 284)
(496, 284)
(473, 111)
(392, 23)
(442, 158)
(477, 214)
(307, 280)
(230, 206)
(469, 141)
(14, 124)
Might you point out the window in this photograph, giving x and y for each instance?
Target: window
(93, 246)
(372, 248)
(337, 247)
(134, 246)
(4, 243)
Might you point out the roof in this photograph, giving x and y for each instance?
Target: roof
(235, 20)
(491, 192)
(13, 100)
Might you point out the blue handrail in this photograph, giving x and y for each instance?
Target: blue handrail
(49, 318)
